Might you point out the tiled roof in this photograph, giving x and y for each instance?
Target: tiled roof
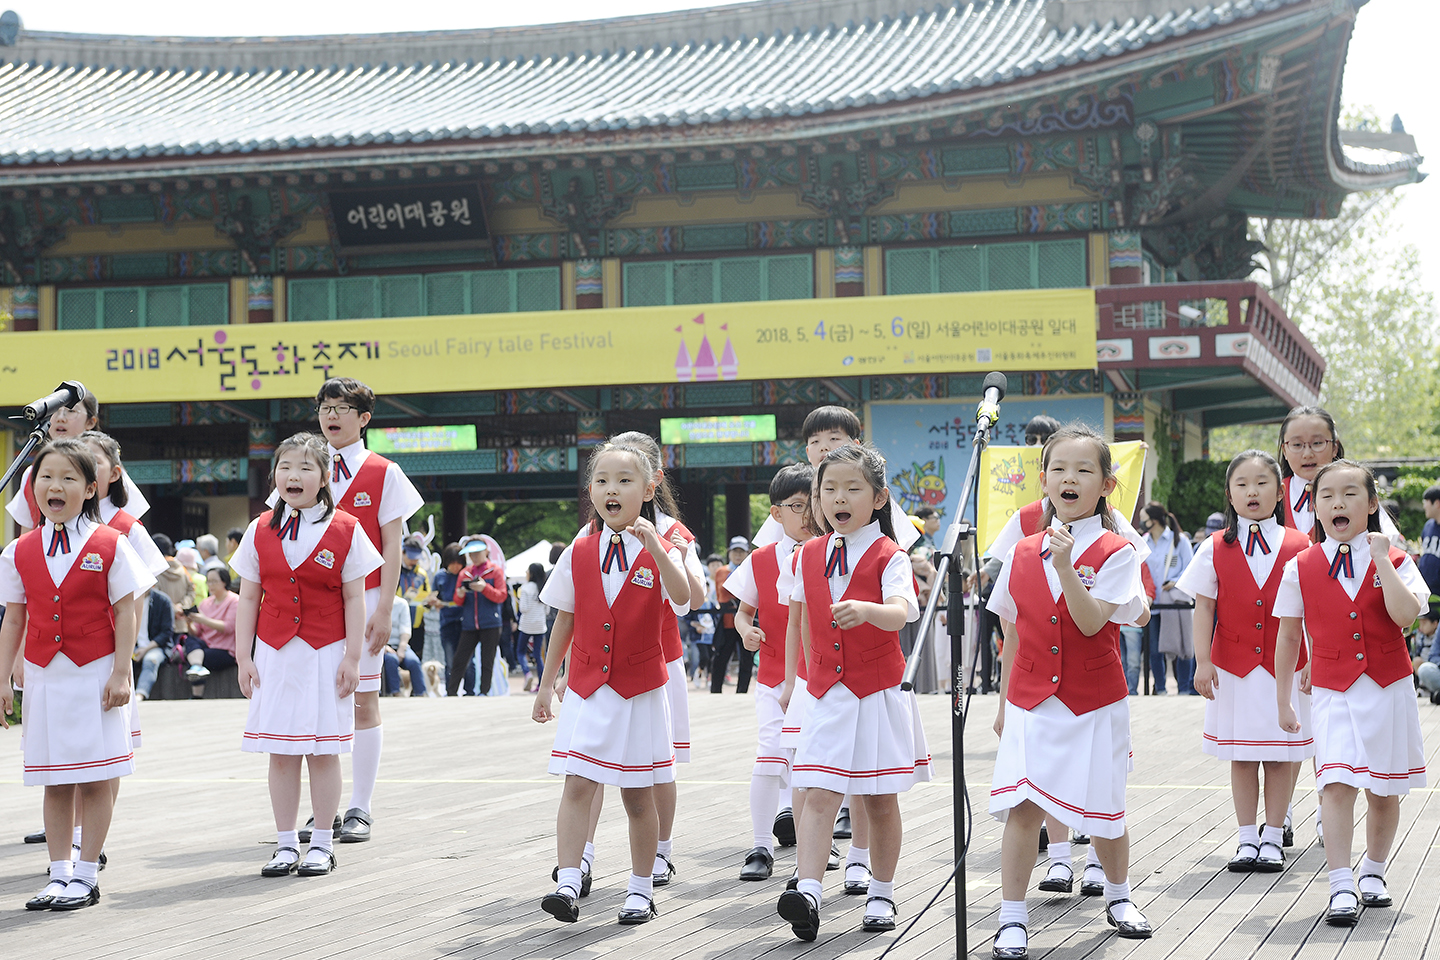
(58, 113)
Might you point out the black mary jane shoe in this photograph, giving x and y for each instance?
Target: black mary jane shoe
(1381, 899)
(1011, 953)
(842, 825)
(800, 912)
(834, 862)
(794, 882)
(1345, 916)
(879, 924)
(37, 837)
(663, 878)
(1081, 838)
(1060, 878)
(1044, 839)
(857, 888)
(1269, 863)
(319, 868)
(631, 918)
(304, 833)
(1244, 862)
(784, 828)
(561, 906)
(1090, 887)
(87, 899)
(1126, 929)
(1287, 839)
(759, 864)
(42, 900)
(281, 866)
(584, 878)
(356, 826)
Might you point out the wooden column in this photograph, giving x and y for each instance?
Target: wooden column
(48, 308)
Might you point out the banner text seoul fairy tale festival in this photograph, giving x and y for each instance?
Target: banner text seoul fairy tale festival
(857, 336)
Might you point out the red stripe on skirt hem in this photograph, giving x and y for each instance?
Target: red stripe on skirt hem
(1087, 814)
(840, 771)
(659, 764)
(88, 765)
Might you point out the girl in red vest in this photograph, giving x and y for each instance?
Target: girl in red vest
(615, 727)
(302, 608)
(1234, 577)
(862, 735)
(763, 619)
(1354, 593)
(78, 580)
(1064, 718)
(68, 422)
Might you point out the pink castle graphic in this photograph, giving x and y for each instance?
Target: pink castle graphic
(703, 366)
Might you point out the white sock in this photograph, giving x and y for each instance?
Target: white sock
(587, 859)
(1059, 852)
(60, 872)
(1092, 858)
(880, 888)
(1290, 815)
(665, 847)
(639, 891)
(322, 839)
(764, 804)
(569, 881)
(365, 765)
(1249, 833)
(1126, 912)
(1012, 911)
(75, 835)
(1275, 835)
(287, 838)
(1342, 881)
(87, 870)
(859, 855)
(812, 889)
(1377, 867)
(786, 799)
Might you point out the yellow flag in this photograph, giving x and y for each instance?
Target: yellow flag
(1010, 478)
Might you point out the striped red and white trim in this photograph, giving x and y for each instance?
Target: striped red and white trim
(608, 765)
(87, 765)
(1087, 814)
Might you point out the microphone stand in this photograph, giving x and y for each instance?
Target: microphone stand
(37, 437)
(951, 561)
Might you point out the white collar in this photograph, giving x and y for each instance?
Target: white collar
(858, 542)
(310, 514)
(75, 526)
(1359, 550)
(349, 452)
(1078, 528)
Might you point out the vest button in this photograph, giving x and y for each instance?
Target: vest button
(837, 669)
(1054, 679)
(605, 648)
(1359, 656)
(294, 599)
(1258, 650)
(1354, 636)
(55, 599)
(607, 626)
(297, 619)
(834, 625)
(604, 668)
(1054, 649)
(1054, 619)
(292, 579)
(1353, 614)
(57, 638)
(837, 646)
(1259, 603)
(1259, 626)
(56, 617)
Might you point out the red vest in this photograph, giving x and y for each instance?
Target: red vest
(362, 501)
(122, 521)
(617, 645)
(865, 659)
(670, 627)
(1350, 637)
(772, 616)
(1053, 658)
(76, 618)
(1031, 516)
(1245, 629)
(307, 602)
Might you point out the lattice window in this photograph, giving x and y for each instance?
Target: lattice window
(1009, 266)
(445, 294)
(401, 296)
(457, 293)
(1060, 263)
(740, 280)
(994, 266)
(119, 308)
(1147, 315)
(721, 280)
(959, 269)
(309, 300)
(694, 282)
(909, 271)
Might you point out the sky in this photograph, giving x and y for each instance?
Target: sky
(1388, 70)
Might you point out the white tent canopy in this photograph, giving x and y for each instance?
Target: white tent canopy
(518, 566)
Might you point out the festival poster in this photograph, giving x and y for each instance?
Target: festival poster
(927, 443)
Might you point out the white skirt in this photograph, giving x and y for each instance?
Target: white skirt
(370, 667)
(1243, 722)
(294, 709)
(1369, 737)
(1072, 767)
(609, 739)
(69, 737)
(771, 759)
(677, 689)
(795, 714)
(134, 708)
(872, 746)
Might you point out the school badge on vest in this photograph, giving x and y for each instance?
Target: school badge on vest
(644, 577)
(93, 563)
(326, 559)
(1087, 576)
(362, 499)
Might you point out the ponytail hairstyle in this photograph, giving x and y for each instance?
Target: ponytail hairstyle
(1075, 430)
(665, 501)
(1372, 524)
(1308, 411)
(643, 463)
(109, 447)
(315, 448)
(1232, 519)
(82, 460)
(1155, 510)
(872, 467)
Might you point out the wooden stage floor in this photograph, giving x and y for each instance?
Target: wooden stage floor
(464, 846)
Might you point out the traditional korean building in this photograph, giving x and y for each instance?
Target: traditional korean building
(535, 237)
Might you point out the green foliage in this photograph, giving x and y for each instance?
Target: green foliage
(1199, 491)
(517, 526)
(1410, 523)
(16, 709)
(1409, 488)
(1228, 442)
(1164, 483)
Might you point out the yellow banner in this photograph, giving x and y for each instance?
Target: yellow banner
(849, 336)
(1010, 478)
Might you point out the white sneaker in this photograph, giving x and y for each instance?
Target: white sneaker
(197, 672)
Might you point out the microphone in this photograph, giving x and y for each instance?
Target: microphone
(988, 413)
(66, 395)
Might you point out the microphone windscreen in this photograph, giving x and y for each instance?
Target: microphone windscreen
(997, 380)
